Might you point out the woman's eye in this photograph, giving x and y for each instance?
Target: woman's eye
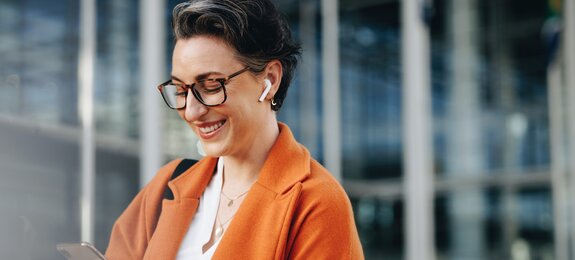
(210, 86)
(212, 90)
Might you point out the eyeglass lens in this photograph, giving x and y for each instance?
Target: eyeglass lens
(209, 92)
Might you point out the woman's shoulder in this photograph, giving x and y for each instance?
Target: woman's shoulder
(322, 187)
(324, 208)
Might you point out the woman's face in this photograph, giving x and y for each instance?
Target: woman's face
(229, 129)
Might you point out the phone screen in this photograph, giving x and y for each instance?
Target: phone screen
(80, 251)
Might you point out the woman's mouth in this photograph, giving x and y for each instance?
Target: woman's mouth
(207, 130)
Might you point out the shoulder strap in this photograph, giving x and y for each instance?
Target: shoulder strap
(181, 168)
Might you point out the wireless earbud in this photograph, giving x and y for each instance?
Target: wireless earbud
(266, 90)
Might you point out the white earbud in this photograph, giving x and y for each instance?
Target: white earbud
(266, 90)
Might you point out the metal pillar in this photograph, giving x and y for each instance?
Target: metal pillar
(417, 142)
(118, 112)
(558, 169)
(464, 139)
(153, 70)
(86, 64)
(568, 34)
(331, 89)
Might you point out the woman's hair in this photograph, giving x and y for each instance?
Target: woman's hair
(256, 30)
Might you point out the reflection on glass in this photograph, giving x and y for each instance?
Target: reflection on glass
(116, 112)
(489, 86)
(370, 89)
(38, 112)
(508, 230)
(371, 118)
(117, 81)
(38, 46)
(380, 226)
(490, 115)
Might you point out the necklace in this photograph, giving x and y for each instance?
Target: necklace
(231, 200)
(220, 228)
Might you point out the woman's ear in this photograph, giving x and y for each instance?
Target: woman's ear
(273, 73)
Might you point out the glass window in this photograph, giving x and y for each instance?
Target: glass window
(380, 225)
(370, 51)
(117, 82)
(491, 128)
(39, 196)
(495, 223)
(116, 111)
(489, 87)
(38, 45)
(370, 89)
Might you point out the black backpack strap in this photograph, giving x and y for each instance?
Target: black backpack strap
(181, 168)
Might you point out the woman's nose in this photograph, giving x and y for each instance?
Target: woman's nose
(194, 109)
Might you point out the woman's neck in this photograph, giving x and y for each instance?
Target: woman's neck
(240, 171)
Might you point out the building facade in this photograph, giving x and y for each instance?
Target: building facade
(82, 127)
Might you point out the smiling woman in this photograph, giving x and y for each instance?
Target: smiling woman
(257, 194)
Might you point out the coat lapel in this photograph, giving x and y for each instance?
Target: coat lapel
(177, 214)
(261, 226)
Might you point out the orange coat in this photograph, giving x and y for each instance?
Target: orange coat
(295, 210)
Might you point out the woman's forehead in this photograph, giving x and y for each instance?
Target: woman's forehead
(203, 48)
(201, 55)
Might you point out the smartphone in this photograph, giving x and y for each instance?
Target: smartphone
(80, 251)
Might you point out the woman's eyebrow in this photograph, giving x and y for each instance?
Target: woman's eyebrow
(199, 77)
(207, 75)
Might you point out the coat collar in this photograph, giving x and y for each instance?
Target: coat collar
(288, 163)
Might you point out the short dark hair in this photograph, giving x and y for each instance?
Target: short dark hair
(257, 31)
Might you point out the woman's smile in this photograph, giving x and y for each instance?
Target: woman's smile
(209, 130)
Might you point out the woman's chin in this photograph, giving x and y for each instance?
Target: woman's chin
(212, 150)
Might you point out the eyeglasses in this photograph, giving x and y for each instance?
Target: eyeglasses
(210, 92)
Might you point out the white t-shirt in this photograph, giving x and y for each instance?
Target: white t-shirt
(200, 229)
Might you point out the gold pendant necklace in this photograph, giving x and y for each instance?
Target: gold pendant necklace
(231, 200)
(220, 227)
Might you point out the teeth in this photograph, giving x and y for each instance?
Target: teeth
(212, 128)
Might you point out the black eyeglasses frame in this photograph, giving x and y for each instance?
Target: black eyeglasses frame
(196, 93)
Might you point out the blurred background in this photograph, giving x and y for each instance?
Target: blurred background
(82, 126)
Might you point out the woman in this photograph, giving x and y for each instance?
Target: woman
(257, 194)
